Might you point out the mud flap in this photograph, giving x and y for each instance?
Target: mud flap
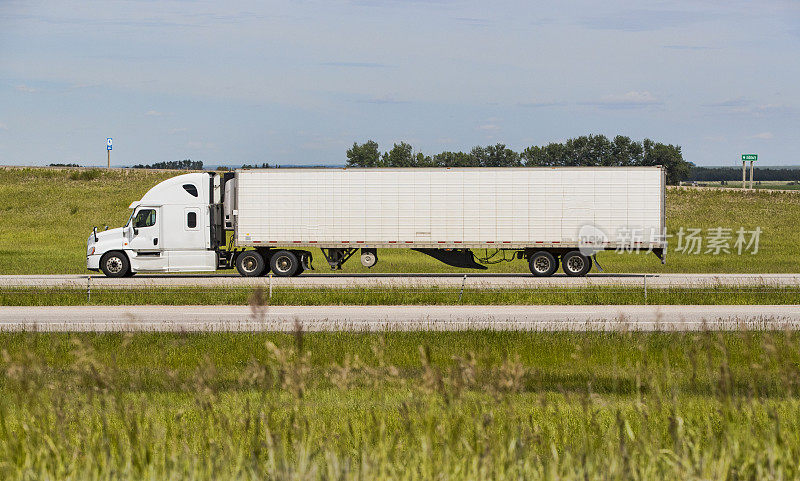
(454, 257)
(597, 264)
(306, 261)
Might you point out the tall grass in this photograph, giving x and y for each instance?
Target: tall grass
(471, 405)
(431, 295)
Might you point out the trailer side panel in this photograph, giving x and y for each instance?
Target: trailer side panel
(449, 208)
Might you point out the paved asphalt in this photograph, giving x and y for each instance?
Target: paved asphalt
(404, 318)
(472, 280)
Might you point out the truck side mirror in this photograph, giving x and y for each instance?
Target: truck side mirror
(135, 231)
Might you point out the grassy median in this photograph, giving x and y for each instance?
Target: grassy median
(47, 215)
(432, 295)
(467, 405)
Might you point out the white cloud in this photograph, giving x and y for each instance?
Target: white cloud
(488, 127)
(742, 105)
(763, 136)
(153, 113)
(542, 103)
(3, 126)
(26, 89)
(178, 130)
(634, 97)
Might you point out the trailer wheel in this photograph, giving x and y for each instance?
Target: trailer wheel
(250, 264)
(115, 264)
(284, 263)
(542, 264)
(576, 264)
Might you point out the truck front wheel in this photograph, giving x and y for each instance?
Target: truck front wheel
(576, 264)
(115, 264)
(250, 264)
(284, 263)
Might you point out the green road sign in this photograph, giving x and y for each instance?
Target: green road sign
(749, 157)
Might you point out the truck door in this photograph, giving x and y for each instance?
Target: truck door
(146, 240)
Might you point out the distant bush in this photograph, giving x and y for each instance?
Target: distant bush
(186, 164)
(91, 174)
(63, 165)
(735, 173)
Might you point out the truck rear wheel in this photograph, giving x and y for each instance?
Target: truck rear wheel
(250, 264)
(284, 263)
(576, 264)
(115, 264)
(542, 264)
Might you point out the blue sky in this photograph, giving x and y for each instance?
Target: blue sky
(298, 82)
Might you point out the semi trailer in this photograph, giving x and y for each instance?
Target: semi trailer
(269, 220)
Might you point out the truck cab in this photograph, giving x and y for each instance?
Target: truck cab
(173, 228)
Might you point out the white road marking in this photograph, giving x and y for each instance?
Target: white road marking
(473, 280)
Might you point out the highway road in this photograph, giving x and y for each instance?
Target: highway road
(337, 280)
(402, 318)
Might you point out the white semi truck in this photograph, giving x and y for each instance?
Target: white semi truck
(261, 221)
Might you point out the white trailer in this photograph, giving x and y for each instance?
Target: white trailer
(547, 216)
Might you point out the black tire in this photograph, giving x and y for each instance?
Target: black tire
(303, 258)
(250, 264)
(115, 264)
(284, 263)
(542, 264)
(576, 264)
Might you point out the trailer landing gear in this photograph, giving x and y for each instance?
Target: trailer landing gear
(337, 257)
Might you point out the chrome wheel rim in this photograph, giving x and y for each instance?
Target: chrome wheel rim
(114, 265)
(249, 264)
(283, 264)
(575, 263)
(541, 264)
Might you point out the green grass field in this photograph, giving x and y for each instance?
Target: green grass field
(341, 406)
(47, 215)
(433, 295)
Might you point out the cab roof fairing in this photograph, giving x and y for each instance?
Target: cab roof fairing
(166, 192)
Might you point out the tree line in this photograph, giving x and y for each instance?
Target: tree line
(587, 150)
(186, 164)
(706, 174)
